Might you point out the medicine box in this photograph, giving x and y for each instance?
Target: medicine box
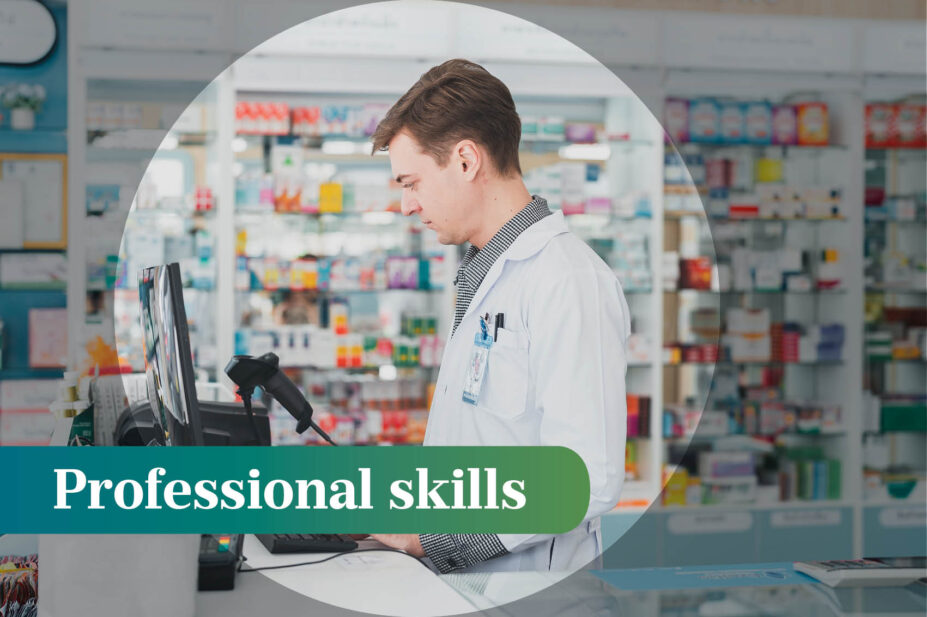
(704, 120)
(725, 464)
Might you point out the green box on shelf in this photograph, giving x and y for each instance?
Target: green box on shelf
(904, 416)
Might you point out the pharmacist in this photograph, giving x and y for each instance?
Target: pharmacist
(541, 312)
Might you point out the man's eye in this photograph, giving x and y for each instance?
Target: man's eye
(409, 185)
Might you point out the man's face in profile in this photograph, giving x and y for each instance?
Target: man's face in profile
(433, 192)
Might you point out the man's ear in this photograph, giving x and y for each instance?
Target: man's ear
(468, 158)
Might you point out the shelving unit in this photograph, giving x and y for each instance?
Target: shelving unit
(337, 157)
(561, 82)
(894, 481)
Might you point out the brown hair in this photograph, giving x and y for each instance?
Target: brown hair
(456, 100)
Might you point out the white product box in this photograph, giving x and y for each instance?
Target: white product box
(721, 277)
(800, 282)
(729, 490)
(748, 321)
(725, 464)
(807, 349)
(24, 415)
(750, 347)
(742, 269)
(713, 424)
(767, 276)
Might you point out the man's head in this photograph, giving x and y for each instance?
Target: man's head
(454, 132)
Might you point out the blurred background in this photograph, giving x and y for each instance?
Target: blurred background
(753, 172)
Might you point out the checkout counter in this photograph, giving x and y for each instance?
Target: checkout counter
(391, 584)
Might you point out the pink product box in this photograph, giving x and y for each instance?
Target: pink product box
(573, 206)
(733, 129)
(410, 272)
(704, 120)
(784, 125)
(394, 272)
(676, 119)
(580, 133)
(598, 205)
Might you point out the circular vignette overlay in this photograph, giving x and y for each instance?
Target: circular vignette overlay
(232, 212)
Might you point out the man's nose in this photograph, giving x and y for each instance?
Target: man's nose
(409, 205)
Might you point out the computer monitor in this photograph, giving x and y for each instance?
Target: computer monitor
(168, 359)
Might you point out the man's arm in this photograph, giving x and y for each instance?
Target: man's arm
(452, 551)
(448, 552)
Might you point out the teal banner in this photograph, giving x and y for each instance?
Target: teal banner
(293, 490)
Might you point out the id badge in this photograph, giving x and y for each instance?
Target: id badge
(476, 368)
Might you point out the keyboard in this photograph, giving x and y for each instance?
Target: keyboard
(306, 543)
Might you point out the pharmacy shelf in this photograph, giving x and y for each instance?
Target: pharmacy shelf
(295, 75)
(757, 507)
(802, 148)
(887, 289)
(726, 363)
(697, 437)
(338, 292)
(895, 360)
(701, 214)
(919, 222)
(762, 292)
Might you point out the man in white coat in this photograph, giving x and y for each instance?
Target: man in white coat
(555, 373)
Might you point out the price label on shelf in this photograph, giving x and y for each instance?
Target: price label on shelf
(805, 518)
(914, 516)
(709, 522)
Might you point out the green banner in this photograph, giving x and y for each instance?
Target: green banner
(293, 490)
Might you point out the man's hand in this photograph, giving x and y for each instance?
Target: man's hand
(407, 542)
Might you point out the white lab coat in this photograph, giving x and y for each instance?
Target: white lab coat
(555, 376)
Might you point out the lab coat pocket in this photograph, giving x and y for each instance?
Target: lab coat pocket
(505, 391)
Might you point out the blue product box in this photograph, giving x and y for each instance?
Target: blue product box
(732, 122)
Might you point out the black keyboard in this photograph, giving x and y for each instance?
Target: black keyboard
(306, 542)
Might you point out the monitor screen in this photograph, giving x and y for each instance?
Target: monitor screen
(168, 359)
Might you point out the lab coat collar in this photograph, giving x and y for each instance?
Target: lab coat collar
(526, 245)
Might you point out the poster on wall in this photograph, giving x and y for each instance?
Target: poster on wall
(42, 178)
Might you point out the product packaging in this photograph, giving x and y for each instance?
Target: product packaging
(733, 123)
(784, 125)
(758, 122)
(676, 119)
(813, 124)
(704, 120)
(910, 126)
(880, 125)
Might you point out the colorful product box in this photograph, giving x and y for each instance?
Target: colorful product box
(695, 273)
(704, 121)
(909, 126)
(813, 124)
(674, 493)
(725, 464)
(784, 125)
(732, 122)
(880, 125)
(306, 121)
(676, 119)
(758, 122)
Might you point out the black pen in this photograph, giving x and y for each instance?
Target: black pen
(500, 323)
